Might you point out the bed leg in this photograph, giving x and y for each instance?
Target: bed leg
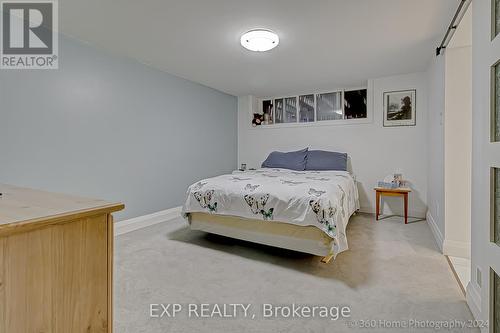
(327, 259)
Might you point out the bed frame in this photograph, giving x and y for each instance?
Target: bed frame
(307, 239)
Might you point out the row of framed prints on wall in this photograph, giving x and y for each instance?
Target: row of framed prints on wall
(399, 108)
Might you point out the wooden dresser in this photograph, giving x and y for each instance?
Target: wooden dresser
(56, 262)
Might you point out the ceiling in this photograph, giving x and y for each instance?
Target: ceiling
(323, 44)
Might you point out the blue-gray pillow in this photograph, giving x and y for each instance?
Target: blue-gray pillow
(295, 160)
(326, 160)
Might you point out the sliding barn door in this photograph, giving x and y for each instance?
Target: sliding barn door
(483, 292)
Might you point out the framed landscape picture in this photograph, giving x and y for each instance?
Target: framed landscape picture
(400, 108)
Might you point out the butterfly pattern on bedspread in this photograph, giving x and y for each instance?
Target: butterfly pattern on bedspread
(257, 204)
(205, 200)
(315, 192)
(325, 216)
(251, 188)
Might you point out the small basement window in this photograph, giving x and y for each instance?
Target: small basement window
(306, 107)
(355, 104)
(313, 108)
(329, 106)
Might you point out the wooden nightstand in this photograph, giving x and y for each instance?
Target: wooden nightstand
(392, 192)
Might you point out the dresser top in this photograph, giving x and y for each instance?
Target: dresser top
(396, 190)
(20, 205)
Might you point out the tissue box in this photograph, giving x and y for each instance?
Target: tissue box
(387, 185)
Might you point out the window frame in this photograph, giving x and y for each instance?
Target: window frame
(316, 123)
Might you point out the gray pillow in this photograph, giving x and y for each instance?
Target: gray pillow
(295, 160)
(326, 160)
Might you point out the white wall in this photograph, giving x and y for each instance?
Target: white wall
(449, 143)
(435, 143)
(458, 147)
(375, 151)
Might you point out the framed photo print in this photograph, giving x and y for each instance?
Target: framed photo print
(400, 108)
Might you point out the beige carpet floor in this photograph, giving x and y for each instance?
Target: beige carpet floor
(393, 274)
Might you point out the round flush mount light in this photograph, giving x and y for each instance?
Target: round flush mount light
(259, 40)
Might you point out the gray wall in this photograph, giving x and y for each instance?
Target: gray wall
(109, 127)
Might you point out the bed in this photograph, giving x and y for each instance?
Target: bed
(305, 211)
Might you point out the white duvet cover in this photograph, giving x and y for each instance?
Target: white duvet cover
(324, 199)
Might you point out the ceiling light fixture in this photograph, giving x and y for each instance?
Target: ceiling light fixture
(259, 40)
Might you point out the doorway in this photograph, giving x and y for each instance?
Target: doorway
(458, 149)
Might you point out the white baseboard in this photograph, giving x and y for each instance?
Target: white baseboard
(473, 297)
(438, 236)
(412, 213)
(366, 210)
(456, 249)
(139, 222)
